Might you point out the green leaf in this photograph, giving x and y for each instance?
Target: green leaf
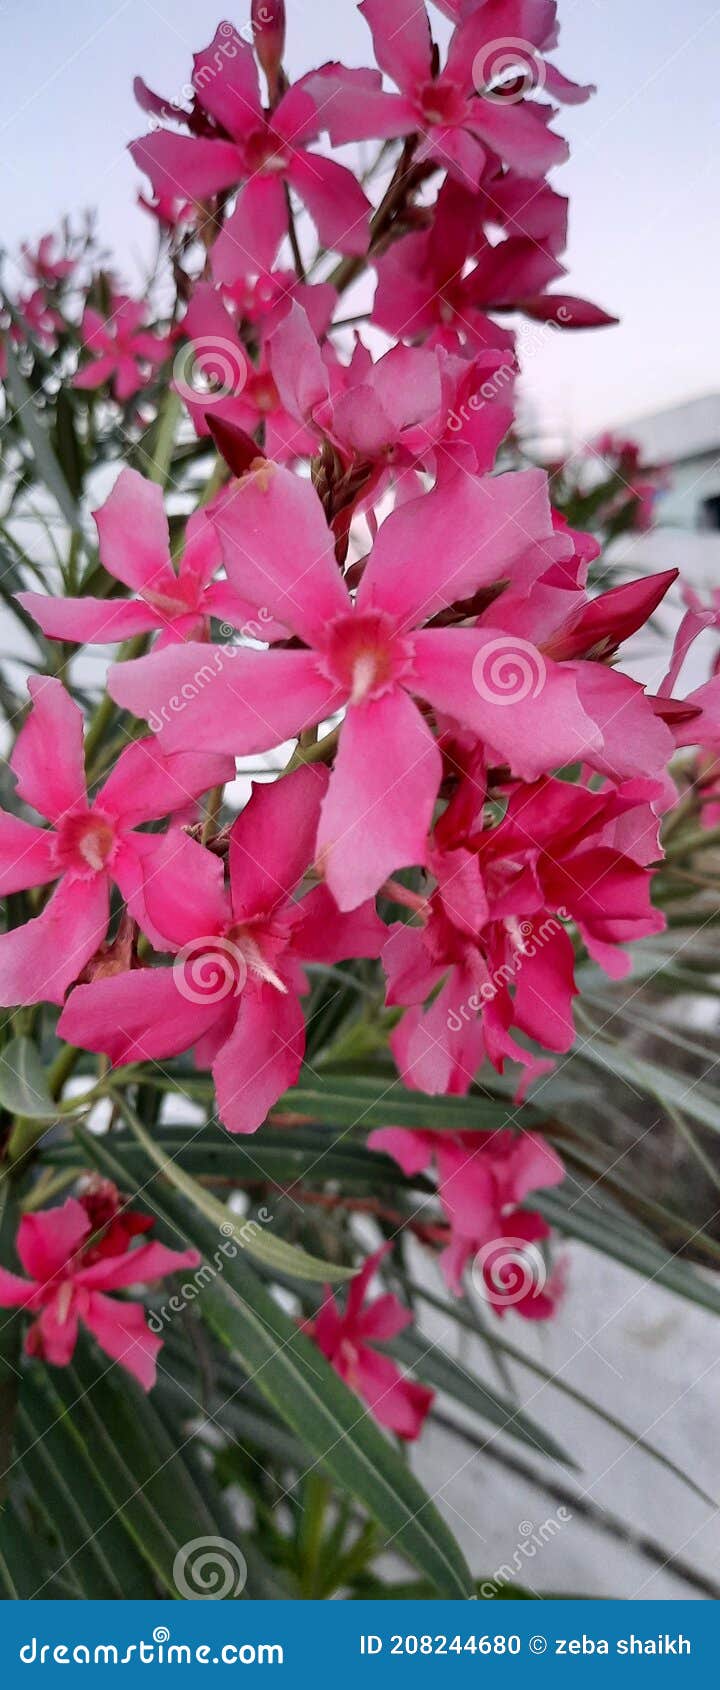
(91, 1540)
(22, 1569)
(345, 1100)
(39, 441)
(336, 1430)
(666, 1225)
(145, 1480)
(67, 445)
(655, 1081)
(611, 1233)
(439, 1370)
(273, 1252)
(23, 1082)
(277, 1157)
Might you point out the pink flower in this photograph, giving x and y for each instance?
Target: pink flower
(171, 211)
(267, 21)
(246, 395)
(373, 655)
(122, 351)
(425, 287)
(347, 1339)
(697, 620)
(416, 408)
(42, 264)
(69, 1279)
(268, 153)
(460, 116)
(483, 1181)
(134, 542)
(265, 299)
(494, 922)
(89, 845)
(234, 990)
(41, 318)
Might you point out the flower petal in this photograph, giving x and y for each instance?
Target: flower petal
(272, 842)
(48, 1240)
(135, 1017)
(260, 1060)
(379, 805)
(52, 785)
(187, 168)
(146, 784)
(220, 698)
(336, 202)
(298, 583)
(41, 959)
(27, 855)
(133, 533)
(445, 545)
(122, 1332)
(87, 620)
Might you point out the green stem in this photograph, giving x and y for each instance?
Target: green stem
(158, 466)
(316, 1495)
(320, 752)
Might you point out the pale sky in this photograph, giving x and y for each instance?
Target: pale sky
(642, 180)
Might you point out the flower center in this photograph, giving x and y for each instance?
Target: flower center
(63, 1301)
(441, 102)
(266, 153)
(86, 842)
(168, 604)
(265, 394)
(364, 655)
(258, 944)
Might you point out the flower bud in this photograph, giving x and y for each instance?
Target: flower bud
(268, 26)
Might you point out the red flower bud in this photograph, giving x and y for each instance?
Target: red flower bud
(268, 26)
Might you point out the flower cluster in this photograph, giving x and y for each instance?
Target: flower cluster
(476, 787)
(74, 1256)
